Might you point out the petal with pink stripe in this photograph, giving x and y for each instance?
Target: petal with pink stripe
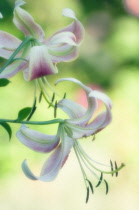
(37, 141)
(40, 63)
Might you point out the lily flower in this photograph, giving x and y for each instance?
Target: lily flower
(78, 126)
(40, 55)
(69, 132)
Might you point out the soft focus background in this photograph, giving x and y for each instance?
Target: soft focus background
(109, 60)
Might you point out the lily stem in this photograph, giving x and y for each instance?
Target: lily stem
(33, 122)
(9, 61)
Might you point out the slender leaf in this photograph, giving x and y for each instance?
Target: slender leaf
(91, 186)
(111, 167)
(87, 195)
(100, 180)
(107, 186)
(34, 107)
(23, 113)
(116, 168)
(4, 82)
(7, 127)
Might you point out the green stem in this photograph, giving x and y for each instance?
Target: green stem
(26, 40)
(33, 122)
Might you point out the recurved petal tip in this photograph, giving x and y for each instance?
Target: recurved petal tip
(67, 12)
(19, 3)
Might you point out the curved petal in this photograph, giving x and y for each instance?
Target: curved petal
(63, 53)
(6, 53)
(8, 41)
(13, 69)
(62, 38)
(37, 141)
(62, 47)
(92, 103)
(77, 132)
(40, 63)
(101, 121)
(76, 27)
(71, 108)
(54, 163)
(105, 118)
(103, 97)
(24, 22)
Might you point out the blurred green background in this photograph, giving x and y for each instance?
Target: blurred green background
(109, 58)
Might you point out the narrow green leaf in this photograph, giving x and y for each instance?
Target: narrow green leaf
(116, 168)
(111, 167)
(7, 127)
(34, 107)
(91, 186)
(40, 97)
(4, 82)
(87, 195)
(23, 113)
(100, 180)
(107, 186)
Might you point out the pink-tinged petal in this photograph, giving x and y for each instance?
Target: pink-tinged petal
(6, 53)
(54, 163)
(63, 38)
(13, 69)
(63, 53)
(8, 41)
(103, 97)
(92, 103)
(71, 108)
(76, 27)
(25, 22)
(101, 121)
(77, 132)
(40, 63)
(37, 141)
(62, 47)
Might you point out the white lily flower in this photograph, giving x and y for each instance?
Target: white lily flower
(40, 57)
(69, 132)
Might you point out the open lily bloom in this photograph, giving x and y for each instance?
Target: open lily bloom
(39, 56)
(80, 117)
(78, 126)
